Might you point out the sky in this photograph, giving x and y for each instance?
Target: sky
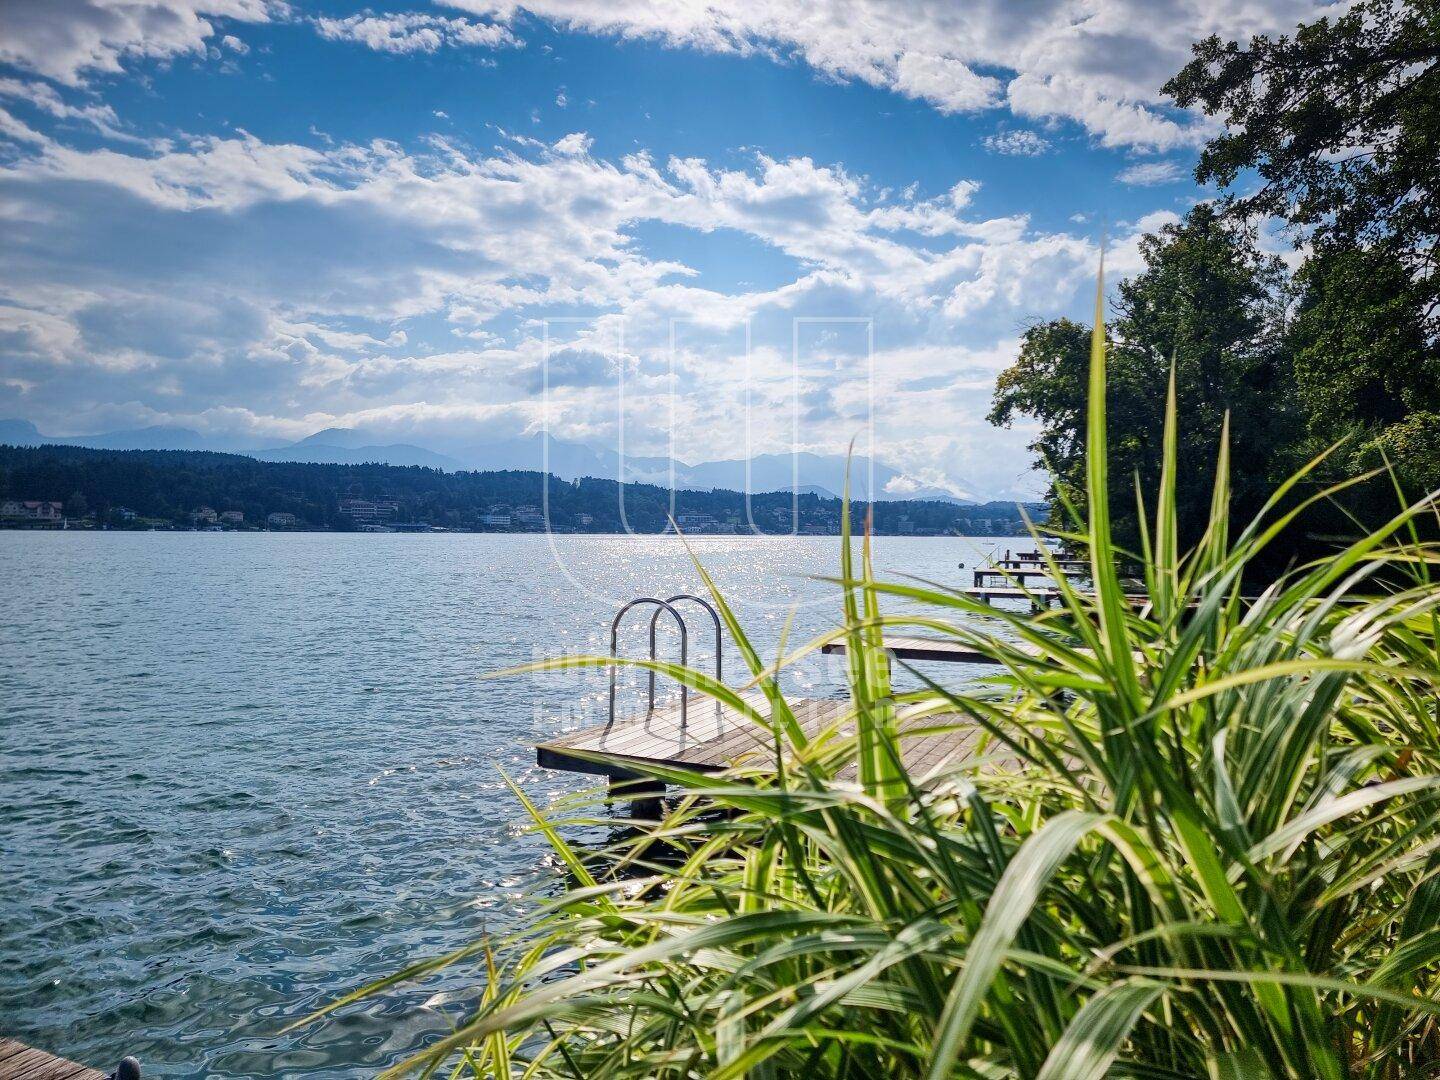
(690, 226)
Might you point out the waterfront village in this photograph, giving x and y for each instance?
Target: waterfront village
(384, 515)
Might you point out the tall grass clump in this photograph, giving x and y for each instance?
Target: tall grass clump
(1198, 838)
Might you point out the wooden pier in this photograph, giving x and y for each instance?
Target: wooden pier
(1012, 592)
(913, 647)
(1041, 556)
(714, 738)
(983, 572)
(21, 1062)
(706, 736)
(1064, 562)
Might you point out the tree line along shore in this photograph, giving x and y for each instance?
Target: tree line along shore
(51, 486)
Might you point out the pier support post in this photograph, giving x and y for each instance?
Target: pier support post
(644, 797)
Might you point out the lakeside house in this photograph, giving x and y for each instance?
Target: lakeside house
(363, 512)
(282, 520)
(40, 511)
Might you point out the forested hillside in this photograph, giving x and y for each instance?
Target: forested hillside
(150, 488)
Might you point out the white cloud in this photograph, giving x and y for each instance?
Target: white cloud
(47, 99)
(330, 255)
(1019, 143)
(574, 144)
(1099, 63)
(1151, 174)
(68, 40)
(409, 32)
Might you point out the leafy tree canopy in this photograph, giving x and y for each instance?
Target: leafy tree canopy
(1336, 131)
(1342, 124)
(1211, 302)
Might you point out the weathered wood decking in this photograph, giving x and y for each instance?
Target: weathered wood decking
(21, 1062)
(983, 572)
(1012, 592)
(1020, 562)
(1038, 596)
(714, 738)
(913, 647)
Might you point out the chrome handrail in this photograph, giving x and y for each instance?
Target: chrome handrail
(615, 649)
(714, 617)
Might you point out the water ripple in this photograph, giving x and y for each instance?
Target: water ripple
(245, 773)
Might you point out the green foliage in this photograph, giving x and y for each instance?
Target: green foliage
(1047, 381)
(1210, 303)
(1342, 123)
(1361, 354)
(1412, 448)
(172, 484)
(1335, 131)
(1198, 838)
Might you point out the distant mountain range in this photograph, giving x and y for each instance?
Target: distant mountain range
(821, 474)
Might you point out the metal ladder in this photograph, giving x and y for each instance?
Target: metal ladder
(662, 606)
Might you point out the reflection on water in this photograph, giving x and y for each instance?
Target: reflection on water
(243, 773)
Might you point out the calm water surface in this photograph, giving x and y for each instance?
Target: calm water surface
(243, 773)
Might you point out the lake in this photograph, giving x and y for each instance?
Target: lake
(243, 773)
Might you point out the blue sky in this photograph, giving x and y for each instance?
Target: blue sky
(260, 219)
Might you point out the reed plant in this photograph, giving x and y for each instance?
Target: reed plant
(1197, 839)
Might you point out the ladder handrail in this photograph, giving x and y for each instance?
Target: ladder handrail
(719, 644)
(615, 649)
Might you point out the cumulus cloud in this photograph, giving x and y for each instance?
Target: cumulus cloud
(71, 40)
(410, 32)
(45, 98)
(1151, 174)
(574, 144)
(277, 281)
(1099, 63)
(1019, 143)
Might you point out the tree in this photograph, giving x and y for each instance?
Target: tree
(1361, 354)
(1342, 124)
(1211, 303)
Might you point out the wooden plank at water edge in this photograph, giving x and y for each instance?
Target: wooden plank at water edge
(21, 1062)
(910, 647)
(708, 736)
(714, 738)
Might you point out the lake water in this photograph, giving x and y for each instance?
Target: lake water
(243, 773)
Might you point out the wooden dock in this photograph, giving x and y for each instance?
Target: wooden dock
(1041, 597)
(913, 647)
(983, 572)
(1020, 562)
(714, 738)
(1012, 592)
(1040, 557)
(21, 1062)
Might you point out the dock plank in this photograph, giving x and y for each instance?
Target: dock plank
(1006, 574)
(21, 1062)
(917, 647)
(717, 738)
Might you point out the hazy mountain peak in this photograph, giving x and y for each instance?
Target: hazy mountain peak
(19, 433)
